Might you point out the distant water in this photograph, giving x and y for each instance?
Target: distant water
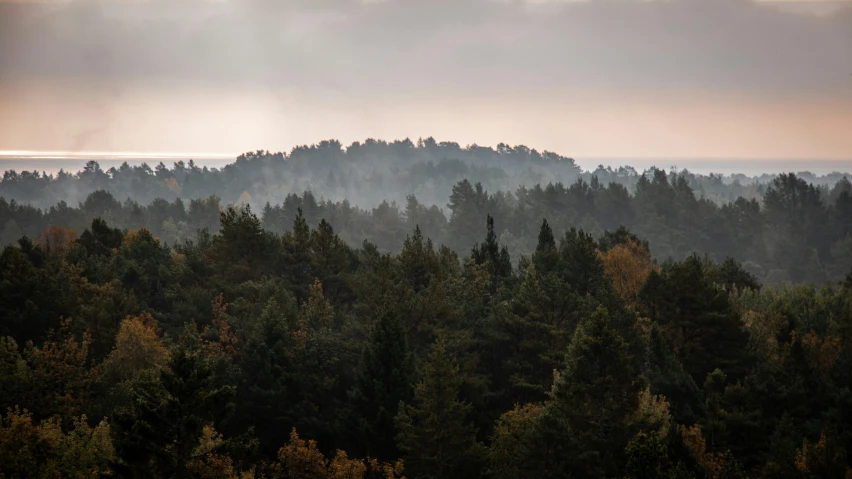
(52, 163)
(726, 166)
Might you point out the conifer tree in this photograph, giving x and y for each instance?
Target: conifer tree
(434, 432)
(384, 380)
(586, 425)
(168, 410)
(545, 256)
(496, 260)
(297, 256)
(647, 456)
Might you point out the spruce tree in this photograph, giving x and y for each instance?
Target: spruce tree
(297, 257)
(545, 256)
(699, 320)
(162, 425)
(384, 380)
(496, 260)
(586, 425)
(435, 434)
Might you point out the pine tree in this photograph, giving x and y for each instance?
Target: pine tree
(698, 319)
(168, 411)
(579, 264)
(297, 256)
(418, 261)
(496, 260)
(384, 380)
(545, 256)
(586, 425)
(647, 456)
(434, 432)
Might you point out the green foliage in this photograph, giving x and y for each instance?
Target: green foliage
(496, 260)
(435, 434)
(512, 442)
(697, 318)
(100, 239)
(384, 380)
(32, 292)
(168, 409)
(597, 393)
(648, 456)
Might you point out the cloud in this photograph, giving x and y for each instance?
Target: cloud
(721, 78)
(416, 45)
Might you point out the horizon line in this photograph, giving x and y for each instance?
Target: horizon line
(57, 154)
(129, 154)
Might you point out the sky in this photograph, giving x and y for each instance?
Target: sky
(585, 78)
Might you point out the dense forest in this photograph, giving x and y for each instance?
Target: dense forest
(787, 228)
(598, 329)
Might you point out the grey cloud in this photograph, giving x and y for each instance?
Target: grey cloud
(413, 45)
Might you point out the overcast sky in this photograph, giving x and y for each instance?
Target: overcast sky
(640, 78)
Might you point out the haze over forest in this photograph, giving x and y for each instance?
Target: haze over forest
(426, 239)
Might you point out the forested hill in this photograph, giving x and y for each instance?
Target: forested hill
(364, 173)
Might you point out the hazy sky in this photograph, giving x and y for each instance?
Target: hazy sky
(670, 78)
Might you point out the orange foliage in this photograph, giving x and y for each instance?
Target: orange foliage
(137, 348)
(56, 239)
(59, 369)
(763, 331)
(44, 450)
(208, 464)
(823, 459)
(132, 235)
(711, 463)
(227, 339)
(628, 266)
(245, 198)
(301, 459)
(653, 412)
(173, 185)
(215, 466)
(822, 353)
(316, 311)
(508, 441)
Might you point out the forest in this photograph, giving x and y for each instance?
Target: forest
(594, 327)
(788, 228)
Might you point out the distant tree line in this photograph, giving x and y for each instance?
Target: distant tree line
(364, 173)
(796, 232)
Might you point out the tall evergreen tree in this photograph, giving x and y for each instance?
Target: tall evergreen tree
(168, 410)
(545, 256)
(496, 260)
(434, 432)
(586, 426)
(297, 256)
(697, 318)
(385, 379)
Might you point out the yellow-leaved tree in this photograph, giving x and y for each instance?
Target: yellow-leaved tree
(44, 450)
(302, 459)
(628, 265)
(56, 240)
